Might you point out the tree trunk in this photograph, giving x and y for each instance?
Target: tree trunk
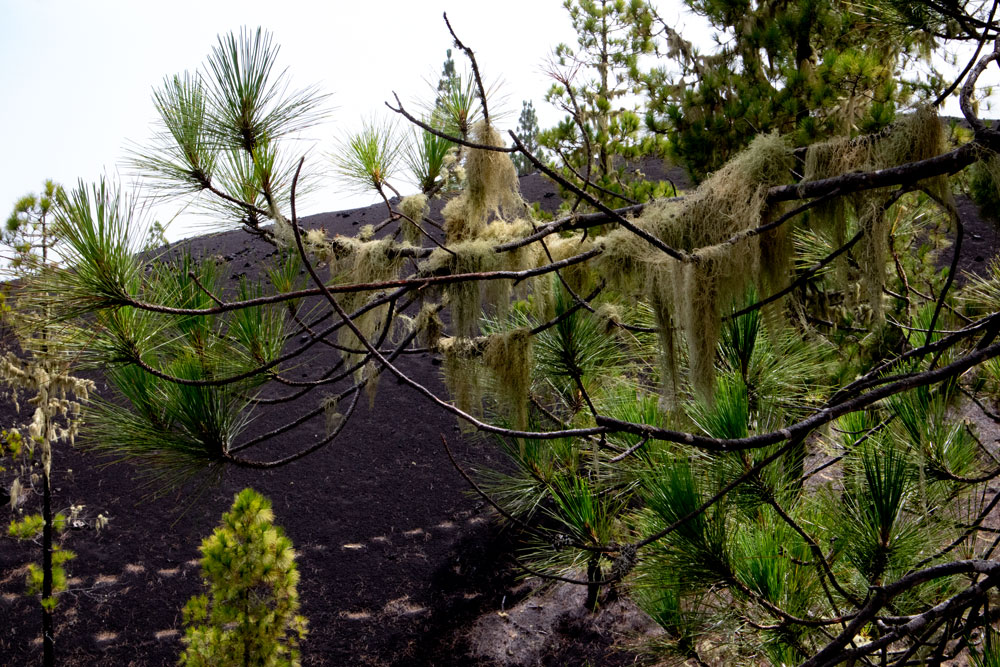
(48, 643)
(593, 588)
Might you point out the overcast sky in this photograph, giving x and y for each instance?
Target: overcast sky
(77, 76)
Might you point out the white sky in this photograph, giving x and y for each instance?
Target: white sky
(77, 76)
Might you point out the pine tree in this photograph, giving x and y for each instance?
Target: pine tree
(527, 131)
(594, 82)
(34, 239)
(447, 79)
(28, 232)
(736, 405)
(249, 616)
(809, 69)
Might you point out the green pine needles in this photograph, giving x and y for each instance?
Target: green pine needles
(369, 158)
(738, 404)
(249, 616)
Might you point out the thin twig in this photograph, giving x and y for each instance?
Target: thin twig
(972, 61)
(444, 135)
(631, 450)
(194, 277)
(475, 68)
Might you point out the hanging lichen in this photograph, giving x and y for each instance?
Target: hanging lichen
(874, 251)
(492, 184)
(456, 225)
(579, 276)
(331, 415)
(363, 262)
(711, 226)
(429, 324)
(284, 235)
(826, 160)
(464, 297)
(496, 294)
(508, 357)
(544, 287)
(625, 259)
(366, 233)
(491, 192)
(468, 299)
(491, 188)
(462, 374)
(917, 136)
(661, 293)
(415, 209)
(315, 242)
(610, 316)
(371, 377)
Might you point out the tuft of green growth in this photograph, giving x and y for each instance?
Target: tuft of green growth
(31, 527)
(508, 356)
(880, 533)
(457, 107)
(430, 159)
(415, 209)
(369, 158)
(577, 350)
(185, 158)
(250, 615)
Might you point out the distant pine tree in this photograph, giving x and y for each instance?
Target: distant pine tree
(447, 81)
(527, 130)
(596, 83)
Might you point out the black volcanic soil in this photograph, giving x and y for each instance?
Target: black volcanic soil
(398, 561)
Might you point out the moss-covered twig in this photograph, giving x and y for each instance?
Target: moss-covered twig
(403, 377)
